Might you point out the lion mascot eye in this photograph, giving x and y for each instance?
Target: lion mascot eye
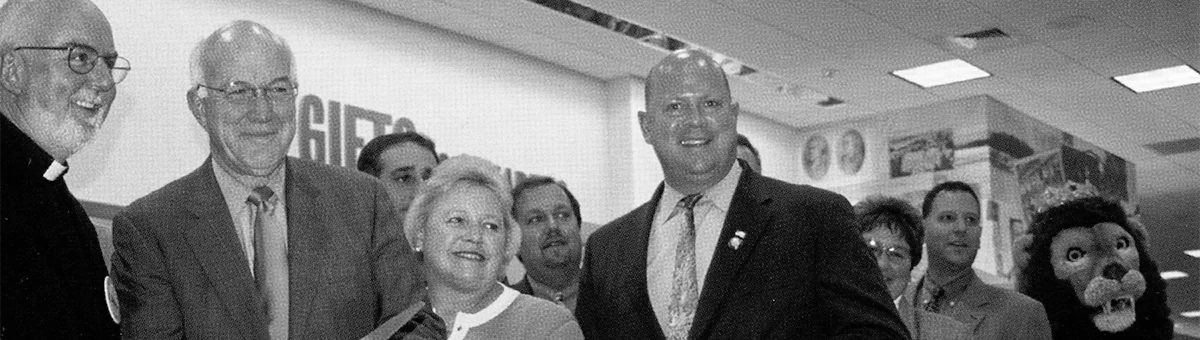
(1075, 254)
(1122, 243)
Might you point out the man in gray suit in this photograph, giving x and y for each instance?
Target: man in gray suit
(254, 244)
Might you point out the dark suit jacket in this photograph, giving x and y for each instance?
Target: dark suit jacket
(802, 272)
(53, 271)
(523, 286)
(181, 271)
(994, 313)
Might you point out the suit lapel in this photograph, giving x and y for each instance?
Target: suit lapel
(639, 241)
(976, 298)
(748, 213)
(214, 241)
(306, 244)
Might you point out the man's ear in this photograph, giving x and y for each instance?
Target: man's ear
(196, 104)
(644, 122)
(12, 72)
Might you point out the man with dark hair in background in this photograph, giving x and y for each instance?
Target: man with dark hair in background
(550, 245)
(747, 152)
(721, 251)
(403, 161)
(58, 70)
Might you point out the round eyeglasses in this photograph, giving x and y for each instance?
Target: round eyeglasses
(82, 59)
(241, 92)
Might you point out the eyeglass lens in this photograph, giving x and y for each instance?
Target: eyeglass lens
(278, 90)
(82, 59)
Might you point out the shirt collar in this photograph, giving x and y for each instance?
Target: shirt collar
(466, 321)
(28, 157)
(954, 288)
(545, 292)
(720, 194)
(237, 187)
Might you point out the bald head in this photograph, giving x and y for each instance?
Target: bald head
(685, 67)
(690, 120)
(34, 22)
(239, 42)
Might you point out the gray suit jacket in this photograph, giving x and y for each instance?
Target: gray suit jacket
(987, 313)
(182, 274)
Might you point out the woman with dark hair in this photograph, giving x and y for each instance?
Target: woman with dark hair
(893, 232)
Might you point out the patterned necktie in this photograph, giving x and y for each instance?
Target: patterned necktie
(935, 298)
(270, 260)
(685, 291)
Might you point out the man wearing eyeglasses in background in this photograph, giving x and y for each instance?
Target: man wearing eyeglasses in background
(254, 244)
(58, 71)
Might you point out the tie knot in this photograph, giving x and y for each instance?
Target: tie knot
(689, 201)
(260, 195)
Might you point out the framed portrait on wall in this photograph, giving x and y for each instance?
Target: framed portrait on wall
(851, 152)
(816, 157)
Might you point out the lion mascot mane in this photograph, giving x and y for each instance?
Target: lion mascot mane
(1092, 272)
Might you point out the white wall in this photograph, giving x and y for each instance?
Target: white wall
(471, 97)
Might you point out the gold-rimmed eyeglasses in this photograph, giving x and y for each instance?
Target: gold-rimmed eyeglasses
(82, 59)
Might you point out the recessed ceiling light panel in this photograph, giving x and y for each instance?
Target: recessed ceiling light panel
(946, 72)
(1174, 274)
(1160, 79)
(1191, 314)
(1193, 253)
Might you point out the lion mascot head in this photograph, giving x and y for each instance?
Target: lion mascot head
(1092, 272)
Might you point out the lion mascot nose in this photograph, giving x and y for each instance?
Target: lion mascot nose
(1114, 271)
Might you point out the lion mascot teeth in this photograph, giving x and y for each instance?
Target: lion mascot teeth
(1092, 272)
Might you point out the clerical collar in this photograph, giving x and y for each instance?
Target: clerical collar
(23, 155)
(55, 170)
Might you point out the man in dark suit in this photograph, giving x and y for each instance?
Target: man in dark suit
(58, 75)
(255, 244)
(721, 251)
(550, 241)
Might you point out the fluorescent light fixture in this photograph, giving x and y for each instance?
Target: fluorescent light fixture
(1193, 253)
(1160, 79)
(1174, 274)
(946, 72)
(1191, 314)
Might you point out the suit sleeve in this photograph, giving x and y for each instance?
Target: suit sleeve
(398, 278)
(587, 308)
(147, 301)
(850, 288)
(1036, 323)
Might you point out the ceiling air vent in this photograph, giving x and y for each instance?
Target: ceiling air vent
(1175, 147)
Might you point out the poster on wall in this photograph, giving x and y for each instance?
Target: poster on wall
(1035, 174)
(816, 157)
(926, 152)
(851, 152)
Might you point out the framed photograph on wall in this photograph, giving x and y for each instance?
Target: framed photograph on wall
(926, 152)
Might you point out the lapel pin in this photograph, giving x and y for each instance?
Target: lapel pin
(736, 241)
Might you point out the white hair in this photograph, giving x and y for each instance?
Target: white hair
(196, 61)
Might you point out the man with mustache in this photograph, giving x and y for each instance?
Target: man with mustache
(721, 251)
(58, 70)
(550, 244)
(255, 244)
